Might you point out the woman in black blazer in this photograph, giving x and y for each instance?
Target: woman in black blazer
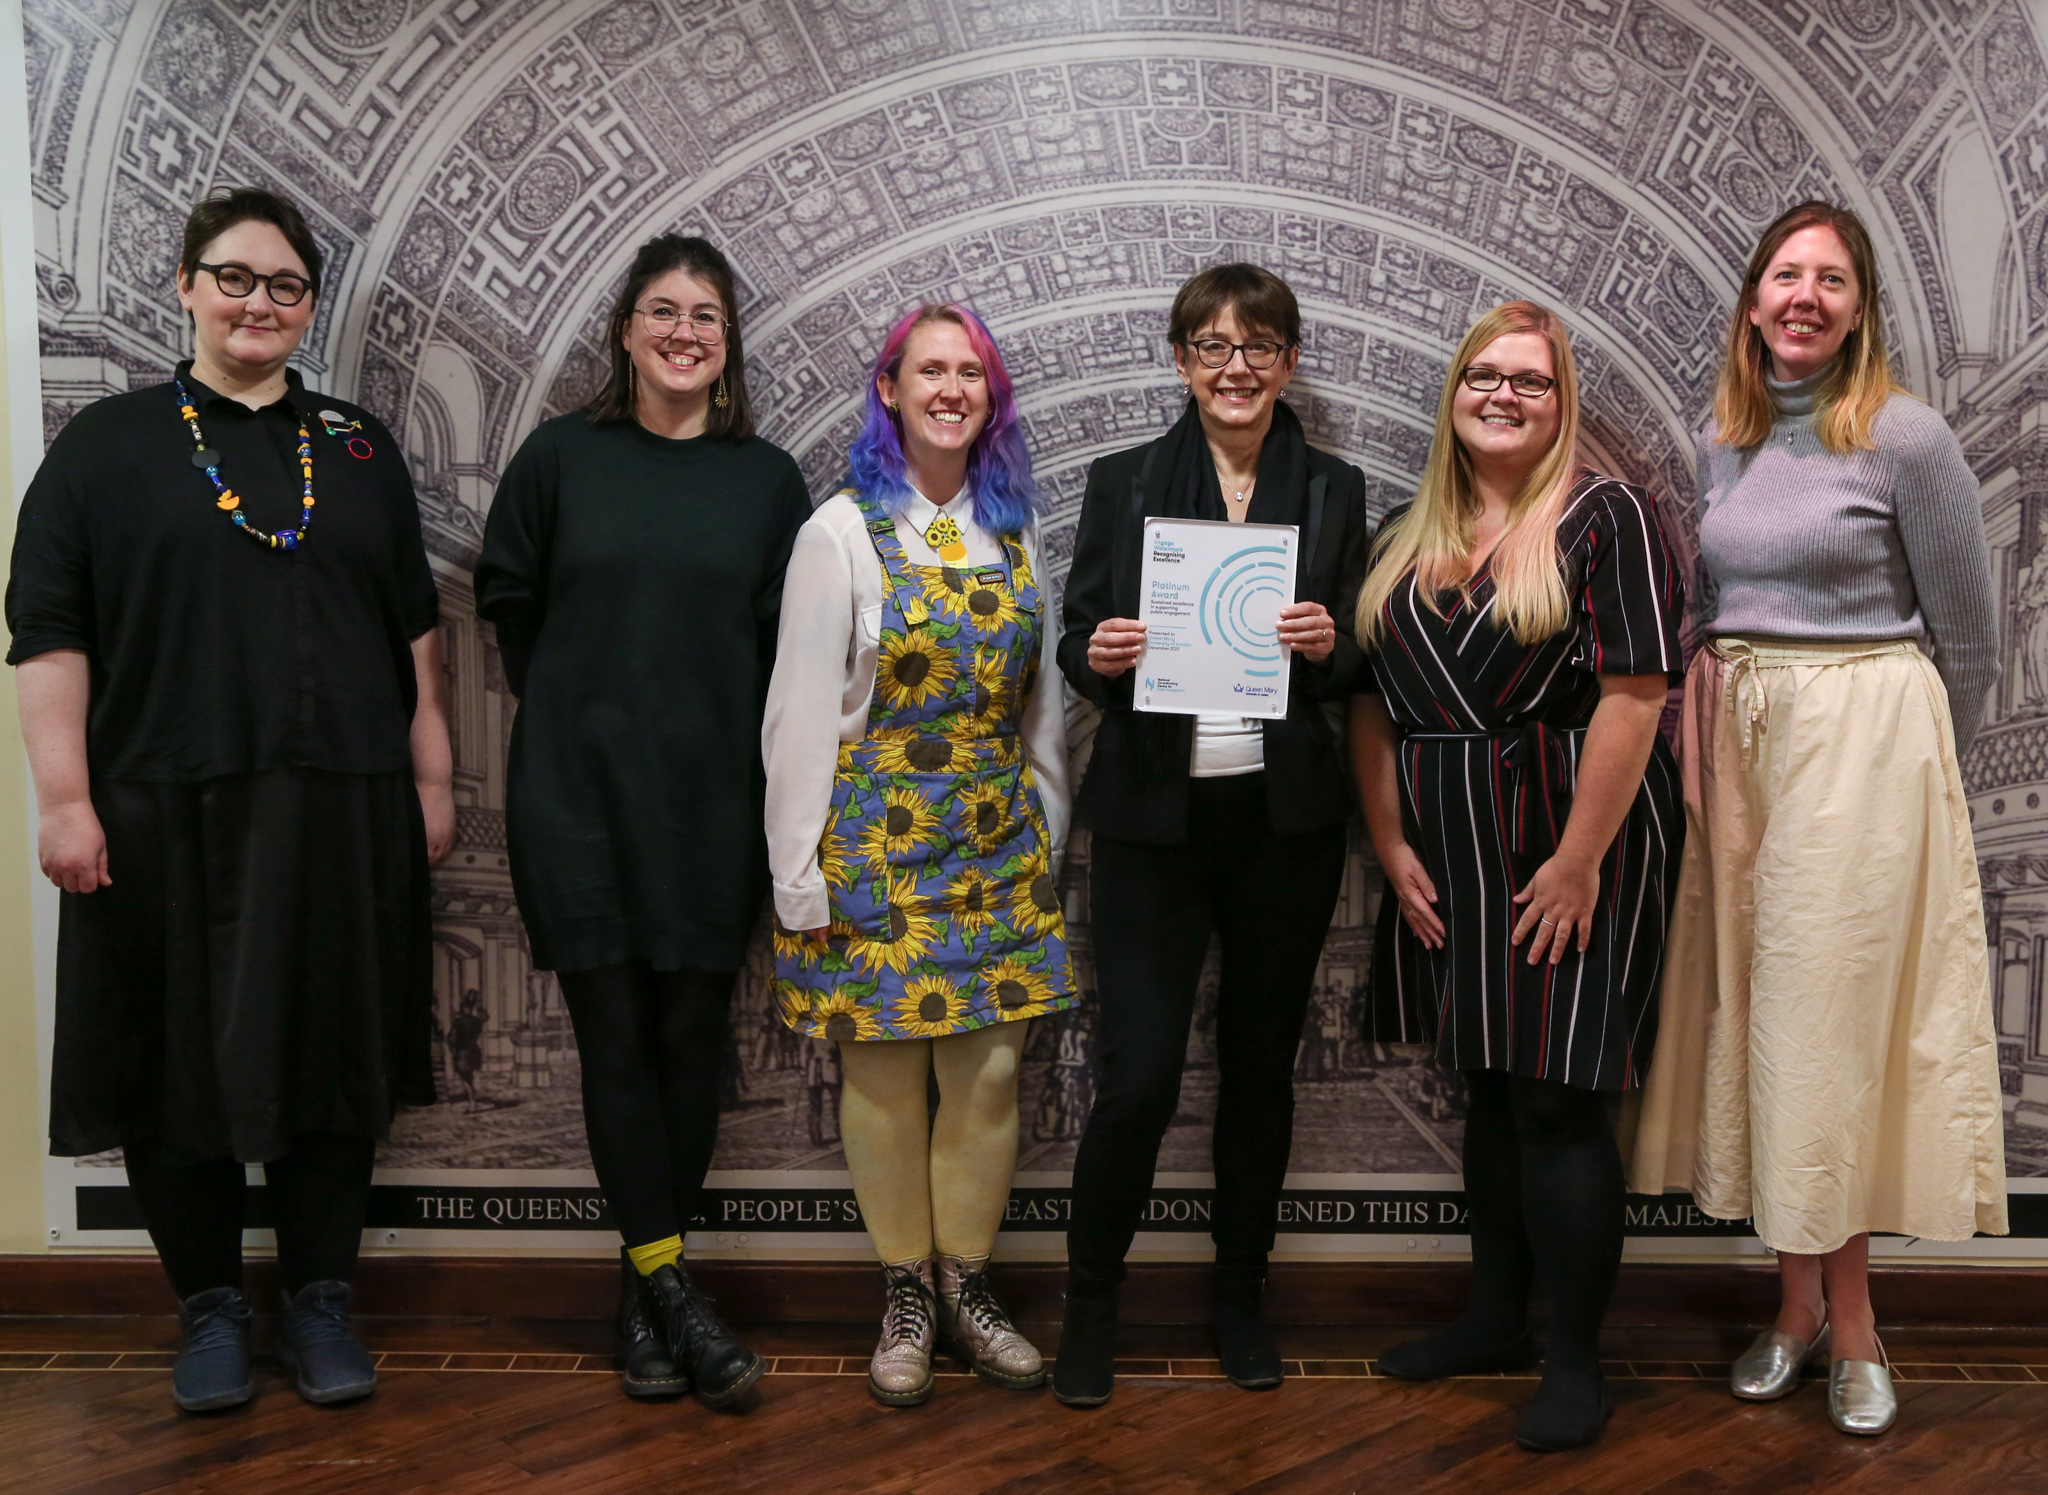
(1211, 824)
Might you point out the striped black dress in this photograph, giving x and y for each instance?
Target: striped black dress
(1491, 733)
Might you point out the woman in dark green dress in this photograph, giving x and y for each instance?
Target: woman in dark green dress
(633, 565)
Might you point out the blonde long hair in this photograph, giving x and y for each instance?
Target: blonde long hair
(1859, 380)
(1434, 539)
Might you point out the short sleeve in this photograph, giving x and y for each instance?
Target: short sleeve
(1630, 601)
(419, 599)
(49, 588)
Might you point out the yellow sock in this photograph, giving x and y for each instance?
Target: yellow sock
(655, 1255)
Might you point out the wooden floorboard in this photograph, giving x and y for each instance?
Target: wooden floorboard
(530, 1406)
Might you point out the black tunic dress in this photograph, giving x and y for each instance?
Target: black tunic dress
(260, 965)
(643, 578)
(1491, 732)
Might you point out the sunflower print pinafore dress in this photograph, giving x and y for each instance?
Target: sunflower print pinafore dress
(945, 917)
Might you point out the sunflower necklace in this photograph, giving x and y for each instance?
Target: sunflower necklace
(945, 539)
(208, 458)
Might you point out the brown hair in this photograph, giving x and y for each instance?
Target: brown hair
(1859, 381)
(1263, 300)
(617, 401)
(222, 209)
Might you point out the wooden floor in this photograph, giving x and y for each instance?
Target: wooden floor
(506, 1406)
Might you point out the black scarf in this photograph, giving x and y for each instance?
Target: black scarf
(1185, 470)
(1178, 481)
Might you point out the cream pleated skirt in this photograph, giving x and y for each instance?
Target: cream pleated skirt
(1825, 1061)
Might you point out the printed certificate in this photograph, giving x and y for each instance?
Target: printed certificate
(1210, 596)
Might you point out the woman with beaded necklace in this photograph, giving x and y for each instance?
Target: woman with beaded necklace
(242, 773)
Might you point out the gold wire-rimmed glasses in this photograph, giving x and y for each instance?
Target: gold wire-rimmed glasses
(666, 321)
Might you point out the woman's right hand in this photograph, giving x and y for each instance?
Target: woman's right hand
(73, 848)
(818, 934)
(1115, 645)
(1408, 882)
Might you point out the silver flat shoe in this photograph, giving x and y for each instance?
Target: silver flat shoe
(1860, 1396)
(1770, 1367)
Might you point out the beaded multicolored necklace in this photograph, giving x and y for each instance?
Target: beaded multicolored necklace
(205, 456)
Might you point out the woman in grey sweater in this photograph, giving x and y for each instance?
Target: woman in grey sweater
(1826, 1064)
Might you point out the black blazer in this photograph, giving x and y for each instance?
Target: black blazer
(1136, 786)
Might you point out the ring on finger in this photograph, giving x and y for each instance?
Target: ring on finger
(1541, 920)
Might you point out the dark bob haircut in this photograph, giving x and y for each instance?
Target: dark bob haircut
(222, 209)
(1263, 300)
(654, 259)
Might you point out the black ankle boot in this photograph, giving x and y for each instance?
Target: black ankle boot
(645, 1367)
(709, 1354)
(1084, 1373)
(1570, 1409)
(1243, 1342)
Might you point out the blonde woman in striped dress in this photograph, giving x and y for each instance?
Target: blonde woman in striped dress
(1522, 621)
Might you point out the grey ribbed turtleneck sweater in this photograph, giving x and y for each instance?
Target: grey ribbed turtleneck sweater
(1798, 543)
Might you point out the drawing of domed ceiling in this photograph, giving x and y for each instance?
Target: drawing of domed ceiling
(482, 171)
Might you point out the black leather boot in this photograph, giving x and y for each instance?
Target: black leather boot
(1243, 1342)
(646, 1368)
(1084, 1374)
(718, 1366)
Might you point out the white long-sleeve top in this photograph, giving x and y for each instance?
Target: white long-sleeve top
(825, 677)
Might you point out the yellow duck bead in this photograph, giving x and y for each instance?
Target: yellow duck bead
(229, 501)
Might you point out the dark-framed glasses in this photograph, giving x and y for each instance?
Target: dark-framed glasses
(239, 281)
(667, 321)
(1486, 380)
(1216, 352)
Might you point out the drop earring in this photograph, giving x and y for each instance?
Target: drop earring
(720, 399)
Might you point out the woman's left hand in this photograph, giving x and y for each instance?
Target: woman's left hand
(1560, 899)
(1307, 629)
(437, 806)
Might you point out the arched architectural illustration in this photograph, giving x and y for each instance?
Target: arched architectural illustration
(480, 170)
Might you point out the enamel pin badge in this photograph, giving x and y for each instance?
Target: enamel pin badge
(340, 425)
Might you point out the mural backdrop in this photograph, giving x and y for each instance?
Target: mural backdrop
(480, 170)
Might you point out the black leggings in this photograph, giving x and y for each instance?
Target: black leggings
(1152, 910)
(319, 1194)
(1543, 1180)
(651, 1043)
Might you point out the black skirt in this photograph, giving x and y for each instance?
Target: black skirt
(260, 966)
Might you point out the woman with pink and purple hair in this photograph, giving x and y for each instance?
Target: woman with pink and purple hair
(915, 743)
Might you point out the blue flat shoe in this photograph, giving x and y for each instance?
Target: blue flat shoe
(315, 1339)
(212, 1373)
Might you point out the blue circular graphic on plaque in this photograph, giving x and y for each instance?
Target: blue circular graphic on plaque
(1241, 604)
